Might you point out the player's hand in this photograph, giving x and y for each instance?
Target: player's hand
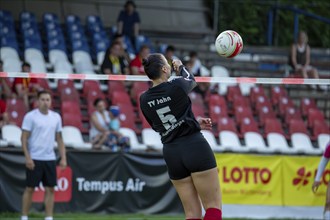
(315, 186)
(29, 164)
(176, 64)
(205, 123)
(63, 164)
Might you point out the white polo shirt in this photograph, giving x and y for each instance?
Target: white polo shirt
(42, 130)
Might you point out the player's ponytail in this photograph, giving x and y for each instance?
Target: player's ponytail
(152, 65)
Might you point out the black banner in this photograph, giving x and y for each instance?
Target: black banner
(98, 182)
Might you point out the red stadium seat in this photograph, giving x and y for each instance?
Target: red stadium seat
(314, 115)
(216, 111)
(226, 124)
(276, 93)
(44, 84)
(69, 94)
(115, 86)
(283, 104)
(198, 111)
(273, 125)
(73, 119)
(120, 97)
(291, 113)
(320, 127)
(262, 101)
(16, 110)
(70, 107)
(196, 98)
(137, 88)
(91, 86)
(127, 117)
(241, 101)
(64, 83)
(306, 104)
(216, 100)
(242, 112)
(255, 92)
(265, 113)
(248, 124)
(297, 126)
(232, 92)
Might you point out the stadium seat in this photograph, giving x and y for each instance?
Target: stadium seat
(216, 100)
(233, 92)
(12, 135)
(297, 126)
(261, 101)
(69, 94)
(242, 112)
(278, 144)
(246, 88)
(306, 104)
(256, 92)
(137, 88)
(72, 137)
(82, 62)
(127, 116)
(255, 142)
(91, 86)
(226, 124)
(113, 86)
(63, 67)
(220, 71)
(198, 110)
(216, 112)
(73, 119)
(8, 53)
(320, 127)
(314, 115)
(57, 56)
(323, 140)
(301, 143)
(119, 97)
(151, 139)
(11, 65)
(291, 113)
(265, 113)
(248, 125)
(208, 135)
(16, 110)
(70, 107)
(135, 144)
(144, 40)
(64, 83)
(196, 98)
(276, 93)
(273, 125)
(229, 141)
(283, 104)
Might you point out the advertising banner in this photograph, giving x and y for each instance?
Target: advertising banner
(298, 178)
(95, 182)
(250, 179)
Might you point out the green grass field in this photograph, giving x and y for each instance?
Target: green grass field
(74, 216)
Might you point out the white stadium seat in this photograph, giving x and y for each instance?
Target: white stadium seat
(33, 54)
(8, 53)
(301, 143)
(278, 143)
(56, 56)
(323, 140)
(63, 67)
(82, 62)
(100, 57)
(220, 71)
(135, 145)
(12, 135)
(255, 142)
(152, 139)
(72, 138)
(229, 141)
(211, 140)
(12, 65)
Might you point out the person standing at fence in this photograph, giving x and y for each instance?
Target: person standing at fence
(190, 161)
(317, 182)
(40, 128)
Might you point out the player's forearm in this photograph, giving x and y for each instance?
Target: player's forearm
(25, 149)
(323, 163)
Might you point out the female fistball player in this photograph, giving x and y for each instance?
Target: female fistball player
(189, 158)
(317, 182)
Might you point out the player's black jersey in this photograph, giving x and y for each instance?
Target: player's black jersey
(167, 107)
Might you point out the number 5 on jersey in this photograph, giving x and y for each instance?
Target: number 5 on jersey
(167, 119)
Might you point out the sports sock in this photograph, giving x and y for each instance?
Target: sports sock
(213, 214)
(24, 217)
(49, 218)
(327, 215)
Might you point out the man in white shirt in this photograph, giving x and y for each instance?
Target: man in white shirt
(40, 128)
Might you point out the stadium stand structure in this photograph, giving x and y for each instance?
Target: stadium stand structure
(270, 114)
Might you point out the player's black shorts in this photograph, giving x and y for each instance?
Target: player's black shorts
(44, 171)
(188, 154)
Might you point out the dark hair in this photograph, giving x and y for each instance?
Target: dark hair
(42, 92)
(152, 65)
(170, 48)
(117, 36)
(130, 3)
(1, 63)
(96, 101)
(193, 54)
(144, 46)
(26, 64)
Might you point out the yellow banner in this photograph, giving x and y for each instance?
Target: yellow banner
(298, 178)
(270, 180)
(250, 179)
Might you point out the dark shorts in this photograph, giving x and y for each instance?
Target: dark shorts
(187, 155)
(44, 171)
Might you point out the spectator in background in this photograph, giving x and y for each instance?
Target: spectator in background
(195, 63)
(116, 139)
(100, 121)
(119, 38)
(169, 54)
(300, 57)
(113, 62)
(26, 88)
(136, 64)
(129, 22)
(5, 120)
(5, 91)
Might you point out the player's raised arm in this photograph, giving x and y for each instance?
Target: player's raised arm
(187, 82)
